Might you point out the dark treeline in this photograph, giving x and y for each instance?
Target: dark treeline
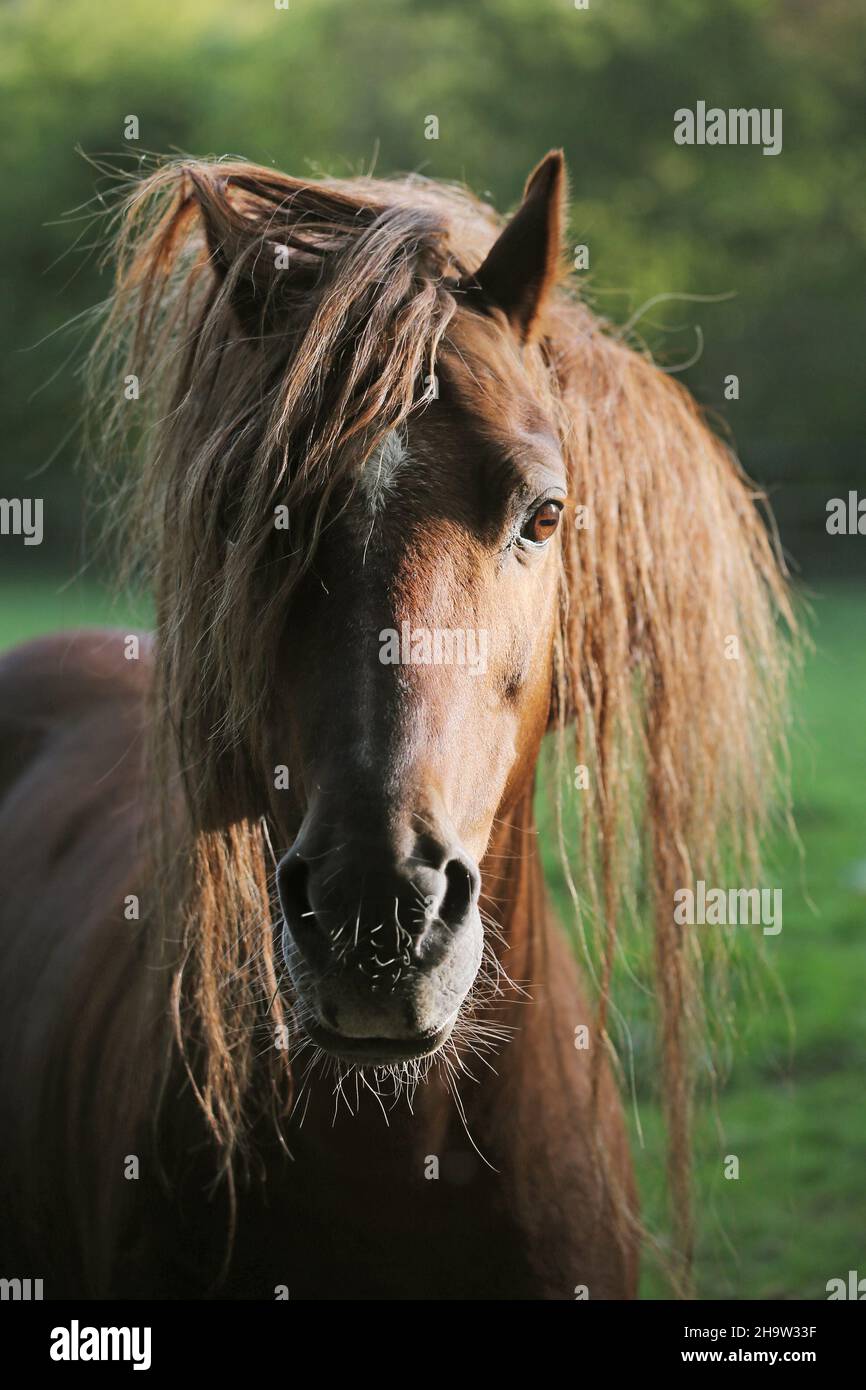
(331, 85)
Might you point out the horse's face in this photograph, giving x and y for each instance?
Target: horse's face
(418, 690)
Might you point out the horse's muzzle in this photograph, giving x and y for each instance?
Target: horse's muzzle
(382, 948)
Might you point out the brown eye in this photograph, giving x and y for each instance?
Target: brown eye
(541, 525)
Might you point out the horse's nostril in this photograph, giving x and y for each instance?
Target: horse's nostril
(346, 911)
(292, 886)
(462, 884)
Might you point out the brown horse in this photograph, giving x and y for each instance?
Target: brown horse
(406, 506)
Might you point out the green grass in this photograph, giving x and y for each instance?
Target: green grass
(50, 605)
(793, 1110)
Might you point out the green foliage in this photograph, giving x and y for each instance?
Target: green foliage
(331, 85)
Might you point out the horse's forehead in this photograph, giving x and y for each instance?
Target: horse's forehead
(483, 396)
(493, 387)
(383, 470)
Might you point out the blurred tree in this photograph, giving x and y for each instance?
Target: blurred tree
(331, 85)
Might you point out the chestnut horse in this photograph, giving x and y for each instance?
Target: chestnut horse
(285, 1009)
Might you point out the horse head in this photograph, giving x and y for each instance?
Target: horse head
(417, 671)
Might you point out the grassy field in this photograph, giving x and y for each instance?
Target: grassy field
(45, 605)
(793, 1110)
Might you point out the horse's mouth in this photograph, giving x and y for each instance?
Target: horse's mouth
(378, 1051)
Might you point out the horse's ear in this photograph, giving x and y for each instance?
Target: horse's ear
(263, 273)
(523, 263)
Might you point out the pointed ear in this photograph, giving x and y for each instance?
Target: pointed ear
(263, 266)
(523, 263)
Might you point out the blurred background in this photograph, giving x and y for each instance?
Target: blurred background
(335, 86)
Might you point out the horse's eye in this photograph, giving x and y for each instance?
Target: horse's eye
(541, 525)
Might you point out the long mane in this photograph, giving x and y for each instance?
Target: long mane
(671, 659)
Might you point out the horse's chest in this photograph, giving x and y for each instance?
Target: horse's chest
(435, 1225)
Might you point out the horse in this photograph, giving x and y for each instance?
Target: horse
(286, 1009)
